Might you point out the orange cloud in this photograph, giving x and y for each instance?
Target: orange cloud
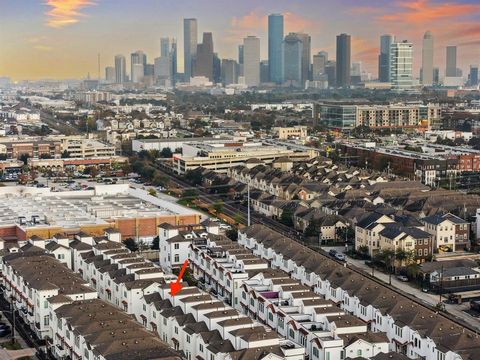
(65, 12)
(424, 11)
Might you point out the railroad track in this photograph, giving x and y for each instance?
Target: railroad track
(241, 212)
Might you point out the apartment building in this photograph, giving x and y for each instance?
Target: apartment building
(367, 231)
(411, 329)
(449, 231)
(397, 115)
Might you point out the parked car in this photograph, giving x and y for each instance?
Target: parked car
(5, 331)
(340, 257)
(333, 252)
(402, 278)
(225, 227)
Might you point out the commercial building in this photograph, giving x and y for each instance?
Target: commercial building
(190, 38)
(251, 61)
(275, 48)
(229, 72)
(110, 75)
(427, 59)
(401, 66)
(222, 156)
(28, 211)
(343, 60)
(87, 148)
(285, 133)
(319, 66)
(384, 58)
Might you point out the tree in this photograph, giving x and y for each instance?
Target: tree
(130, 244)
(24, 158)
(237, 218)
(166, 153)
(311, 229)
(194, 177)
(155, 243)
(287, 217)
(218, 207)
(232, 234)
(152, 192)
(363, 250)
(65, 154)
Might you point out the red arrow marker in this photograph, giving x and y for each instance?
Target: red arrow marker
(175, 287)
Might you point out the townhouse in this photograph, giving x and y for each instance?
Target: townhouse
(450, 232)
(93, 329)
(31, 278)
(412, 329)
(273, 298)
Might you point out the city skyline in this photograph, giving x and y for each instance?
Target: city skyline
(38, 35)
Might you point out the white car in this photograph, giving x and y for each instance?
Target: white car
(225, 227)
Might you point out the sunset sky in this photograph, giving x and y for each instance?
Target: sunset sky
(60, 39)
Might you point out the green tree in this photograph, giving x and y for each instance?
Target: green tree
(155, 243)
(218, 207)
(152, 192)
(65, 154)
(232, 234)
(287, 217)
(166, 153)
(130, 244)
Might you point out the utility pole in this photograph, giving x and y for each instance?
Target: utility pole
(441, 287)
(248, 204)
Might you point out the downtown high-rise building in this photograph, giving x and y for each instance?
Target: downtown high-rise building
(240, 60)
(427, 59)
(319, 63)
(306, 56)
(384, 57)
(401, 66)
(229, 72)
(190, 39)
(120, 69)
(292, 60)
(203, 60)
(110, 74)
(473, 75)
(165, 47)
(343, 60)
(451, 61)
(137, 58)
(275, 44)
(251, 60)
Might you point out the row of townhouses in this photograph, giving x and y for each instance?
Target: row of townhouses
(273, 298)
(412, 329)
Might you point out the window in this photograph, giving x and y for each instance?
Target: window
(176, 246)
(176, 330)
(188, 339)
(359, 352)
(46, 320)
(270, 316)
(315, 352)
(292, 334)
(176, 258)
(85, 354)
(200, 347)
(45, 304)
(342, 355)
(327, 356)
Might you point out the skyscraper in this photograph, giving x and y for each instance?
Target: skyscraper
(120, 69)
(275, 53)
(229, 72)
(401, 69)
(203, 61)
(240, 60)
(306, 56)
(427, 59)
(251, 60)
(319, 63)
(165, 46)
(138, 57)
(190, 39)
(473, 76)
(384, 57)
(173, 57)
(343, 60)
(110, 74)
(138, 72)
(292, 61)
(451, 64)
